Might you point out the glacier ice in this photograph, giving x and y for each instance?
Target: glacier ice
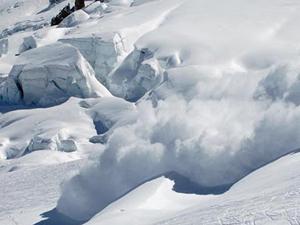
(49, 75)
(103, 52)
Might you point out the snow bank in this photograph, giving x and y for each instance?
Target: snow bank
(49, 75)
(61, 128)
(67, 127)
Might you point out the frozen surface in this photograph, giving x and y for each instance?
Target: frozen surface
(49, 75)
(205, 89)
(261, 198)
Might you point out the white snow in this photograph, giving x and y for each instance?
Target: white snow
(49, 75)
(260, 198)
(202, 88)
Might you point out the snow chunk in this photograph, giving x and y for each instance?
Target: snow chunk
(28, 43)
(51, 143)
(41, 38)
(9, 91)
(121, 2)
(96, 9)
(139, 73)
(49, 75)
(103, 52)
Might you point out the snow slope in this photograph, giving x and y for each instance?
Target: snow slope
(132, 90)
(268, 196)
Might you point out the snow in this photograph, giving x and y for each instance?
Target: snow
(49, 75)
(270, 195)
(130, 91)
(260, 198)
(102, 52)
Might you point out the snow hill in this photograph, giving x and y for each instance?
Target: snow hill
(150, 112)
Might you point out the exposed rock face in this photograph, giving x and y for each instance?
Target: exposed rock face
(96, 9)
(50, 75)
(79, 4)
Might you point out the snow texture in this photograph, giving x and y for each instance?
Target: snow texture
(215, 107)
(204, 89)
(49, 75)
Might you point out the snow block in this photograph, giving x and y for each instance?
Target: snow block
(103, 52)
(139, 73)
(9, 91)
(51, 143)
(50, 75)
(28, 43)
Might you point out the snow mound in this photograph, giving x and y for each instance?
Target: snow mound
(60, 128)
(67, 127)
(49, 75)
(153, 198)
(41, 142)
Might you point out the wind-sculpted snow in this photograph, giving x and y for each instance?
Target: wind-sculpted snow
(50, 75)
(218, 115)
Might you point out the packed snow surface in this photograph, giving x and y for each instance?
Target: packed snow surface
(204, 89)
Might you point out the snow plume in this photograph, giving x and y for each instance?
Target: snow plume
(202, 128)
